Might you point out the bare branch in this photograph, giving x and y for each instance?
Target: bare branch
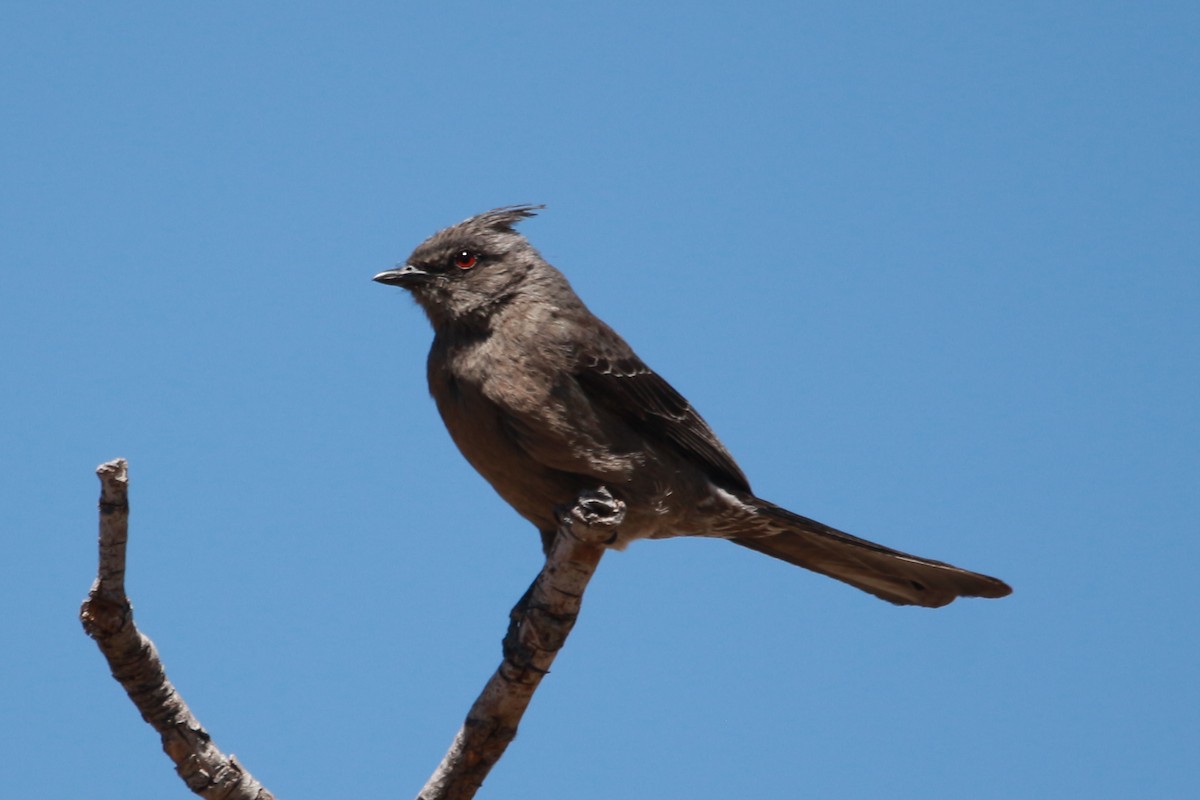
(540, 623)
(107, 617)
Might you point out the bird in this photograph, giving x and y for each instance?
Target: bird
(547, 402)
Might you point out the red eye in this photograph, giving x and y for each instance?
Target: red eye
(465, 260)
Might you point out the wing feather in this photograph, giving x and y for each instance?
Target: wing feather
(612, 375)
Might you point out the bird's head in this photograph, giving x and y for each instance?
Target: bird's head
(461, 274)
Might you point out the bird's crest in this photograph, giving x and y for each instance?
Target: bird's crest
(480, 231)
(503, 218)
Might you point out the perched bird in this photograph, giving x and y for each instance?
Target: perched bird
(546, 401)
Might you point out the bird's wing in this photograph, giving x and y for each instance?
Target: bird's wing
(612, 375)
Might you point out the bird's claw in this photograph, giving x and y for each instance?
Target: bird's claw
(598, 511)
(598, 507)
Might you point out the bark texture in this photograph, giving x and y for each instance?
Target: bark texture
(539, 625)
(107, 617)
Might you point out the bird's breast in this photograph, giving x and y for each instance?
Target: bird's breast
(482, 406)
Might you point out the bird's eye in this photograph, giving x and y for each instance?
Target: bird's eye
(465, 260)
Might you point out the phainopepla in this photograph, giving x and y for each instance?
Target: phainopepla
(546, 401)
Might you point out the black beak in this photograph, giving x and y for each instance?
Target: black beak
(406, 276)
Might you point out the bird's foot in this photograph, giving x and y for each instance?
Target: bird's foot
(599, 512)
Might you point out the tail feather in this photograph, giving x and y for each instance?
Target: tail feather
(888, 574)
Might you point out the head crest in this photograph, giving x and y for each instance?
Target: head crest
(503, 218)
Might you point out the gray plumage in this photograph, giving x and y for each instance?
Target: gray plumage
(545, 401)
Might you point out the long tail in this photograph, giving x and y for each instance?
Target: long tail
(889, 574)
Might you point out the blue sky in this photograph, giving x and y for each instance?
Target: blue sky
(930, 270)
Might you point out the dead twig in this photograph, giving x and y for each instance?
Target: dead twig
(107, 617)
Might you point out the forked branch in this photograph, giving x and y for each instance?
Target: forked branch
(539, 626)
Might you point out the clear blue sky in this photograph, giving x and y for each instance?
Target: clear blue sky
(930, 270)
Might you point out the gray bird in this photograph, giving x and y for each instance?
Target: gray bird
(546, 401)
